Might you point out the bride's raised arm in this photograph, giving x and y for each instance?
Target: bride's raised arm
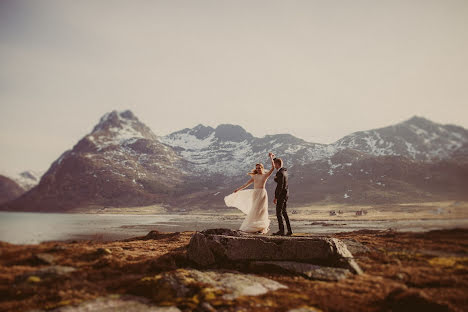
(272, 164)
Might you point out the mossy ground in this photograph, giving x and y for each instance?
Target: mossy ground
(403, 270)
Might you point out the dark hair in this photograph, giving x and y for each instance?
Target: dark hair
(278, 161)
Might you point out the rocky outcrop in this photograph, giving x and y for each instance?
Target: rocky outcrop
(115, 303)
(227, 248)
(191, 287)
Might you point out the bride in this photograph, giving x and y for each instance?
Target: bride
(253, 202)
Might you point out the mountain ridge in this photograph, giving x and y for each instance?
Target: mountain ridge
(122, 162)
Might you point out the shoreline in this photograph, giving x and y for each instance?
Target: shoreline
(34, 228)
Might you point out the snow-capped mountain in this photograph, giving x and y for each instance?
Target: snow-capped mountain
(120, 162)
(27, 179)
(416, 138)
(120, 139)
(229, 149)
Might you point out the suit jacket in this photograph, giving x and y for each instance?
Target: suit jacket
(281, 178)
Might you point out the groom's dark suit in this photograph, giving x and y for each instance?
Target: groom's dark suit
(282, 195)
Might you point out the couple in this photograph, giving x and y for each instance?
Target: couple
(254, 202)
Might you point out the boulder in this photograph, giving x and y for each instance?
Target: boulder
(225, 248)
(44, 258)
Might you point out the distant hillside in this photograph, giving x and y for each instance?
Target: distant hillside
(9, 189)
(26, 179)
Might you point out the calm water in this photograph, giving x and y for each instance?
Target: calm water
(33, 228)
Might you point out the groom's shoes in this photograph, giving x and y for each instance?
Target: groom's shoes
(289, 233)
(279, 233)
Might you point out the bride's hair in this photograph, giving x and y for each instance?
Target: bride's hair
(254, 171)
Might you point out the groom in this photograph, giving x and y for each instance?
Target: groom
(281, 196)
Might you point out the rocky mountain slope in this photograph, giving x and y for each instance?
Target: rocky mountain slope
(416, 138)
(27, 179)
(121, 162)
(354, 177)
(9, 189)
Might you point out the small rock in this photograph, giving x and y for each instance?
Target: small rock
(400, 276)
(57, 247)
(44, 258)
(207, 307)
(103, 251)
(159, 235)
(47, 272)
(33, 279)
(221, 231)
(153, 235)
(410, 299)
(395, 261)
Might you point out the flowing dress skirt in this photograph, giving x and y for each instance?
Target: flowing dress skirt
(254, 203)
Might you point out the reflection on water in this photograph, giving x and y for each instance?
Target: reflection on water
(32, 228)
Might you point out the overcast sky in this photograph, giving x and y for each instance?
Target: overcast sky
(316, 69)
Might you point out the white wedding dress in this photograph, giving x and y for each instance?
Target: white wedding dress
(254, 203)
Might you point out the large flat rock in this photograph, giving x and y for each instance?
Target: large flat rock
(216, 247)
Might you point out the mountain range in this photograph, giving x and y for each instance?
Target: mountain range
(122, 163)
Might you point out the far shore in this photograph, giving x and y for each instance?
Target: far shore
(321, 211)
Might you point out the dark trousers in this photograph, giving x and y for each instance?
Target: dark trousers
(281, 212)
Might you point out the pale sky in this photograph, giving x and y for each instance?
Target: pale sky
(316, 69)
